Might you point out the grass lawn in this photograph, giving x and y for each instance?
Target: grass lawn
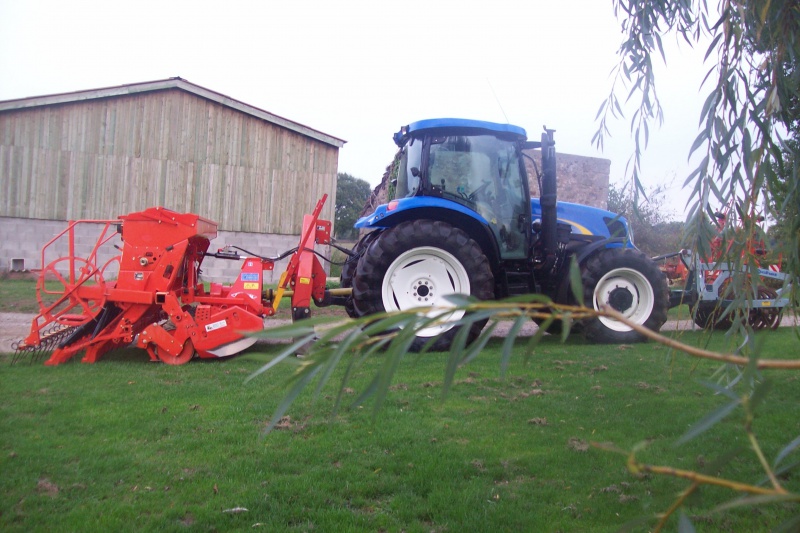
(19, 295)
(129, 445)
(681, 312)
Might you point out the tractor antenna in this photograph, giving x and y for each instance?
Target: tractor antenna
(497, 100)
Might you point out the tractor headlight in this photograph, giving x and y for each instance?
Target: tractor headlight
(618, 228)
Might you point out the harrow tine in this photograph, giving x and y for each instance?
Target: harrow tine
(50, 340)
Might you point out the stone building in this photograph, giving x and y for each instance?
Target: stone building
(581, 179)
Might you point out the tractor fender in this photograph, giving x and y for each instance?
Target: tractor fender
(432, 208)
(612, 242)
(396, 211)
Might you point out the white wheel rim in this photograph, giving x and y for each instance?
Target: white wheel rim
(628, 292)
(423, 277)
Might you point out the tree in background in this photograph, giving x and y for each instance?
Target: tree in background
(351, 195)
(654, 230)
(749, 156)
(753, 86)
(785, 209)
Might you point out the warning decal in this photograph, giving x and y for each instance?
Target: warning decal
(251, 286)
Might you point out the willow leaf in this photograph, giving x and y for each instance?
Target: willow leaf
(709, 421)
(479, 344)
(509, 341)
(287, 401)
(290, 350)
(789, 448)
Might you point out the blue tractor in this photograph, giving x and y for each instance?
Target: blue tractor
(460, 219)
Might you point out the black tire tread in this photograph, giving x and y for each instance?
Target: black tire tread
(349, 270)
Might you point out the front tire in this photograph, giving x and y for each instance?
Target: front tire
(418, 264)
(627, 281)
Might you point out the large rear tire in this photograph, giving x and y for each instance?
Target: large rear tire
(417, 264)
(349, 270)
(629, 282)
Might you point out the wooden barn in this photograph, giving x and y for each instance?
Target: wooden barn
(101, 153)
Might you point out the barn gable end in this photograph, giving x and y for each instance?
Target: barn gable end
(107, 152)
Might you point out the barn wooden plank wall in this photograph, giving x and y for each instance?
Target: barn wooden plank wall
(101, 158)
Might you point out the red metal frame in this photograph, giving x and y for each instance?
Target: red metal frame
(157, 300)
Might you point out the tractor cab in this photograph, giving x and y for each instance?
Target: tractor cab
(475, 164)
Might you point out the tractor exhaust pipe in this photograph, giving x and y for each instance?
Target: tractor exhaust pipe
(547, 199)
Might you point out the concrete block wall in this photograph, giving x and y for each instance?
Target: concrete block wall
(262, 244)
(21, 241)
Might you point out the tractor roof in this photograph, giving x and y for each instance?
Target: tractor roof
(401, 136)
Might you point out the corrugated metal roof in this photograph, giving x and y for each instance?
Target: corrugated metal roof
(171, 83)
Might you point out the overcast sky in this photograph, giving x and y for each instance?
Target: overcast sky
(358, 70)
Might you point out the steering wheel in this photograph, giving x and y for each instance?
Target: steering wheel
(474, 194)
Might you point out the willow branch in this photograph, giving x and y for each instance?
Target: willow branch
(784, 364)
(763, 460)
(542, 311)
(704, 479)
(675, 506)
(748, 427)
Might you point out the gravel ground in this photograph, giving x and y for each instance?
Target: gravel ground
(16, 326)
(13, 328)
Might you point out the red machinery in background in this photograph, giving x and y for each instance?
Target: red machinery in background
(157, 299)
(712, 283)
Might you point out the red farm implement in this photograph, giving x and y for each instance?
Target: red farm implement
(711, 283)
(157, 300)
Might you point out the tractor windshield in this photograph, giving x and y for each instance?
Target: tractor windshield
(483, 173)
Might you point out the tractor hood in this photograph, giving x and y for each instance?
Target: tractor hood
(586, 220)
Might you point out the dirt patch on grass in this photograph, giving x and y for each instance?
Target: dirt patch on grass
(45, 486)
(578, 445)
